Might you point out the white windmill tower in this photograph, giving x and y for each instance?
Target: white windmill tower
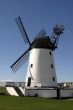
(41, 67)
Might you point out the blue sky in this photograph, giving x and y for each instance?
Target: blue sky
(35, 14)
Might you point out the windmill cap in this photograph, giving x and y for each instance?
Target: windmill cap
(43, 42)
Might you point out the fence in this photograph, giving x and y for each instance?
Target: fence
(15, 84)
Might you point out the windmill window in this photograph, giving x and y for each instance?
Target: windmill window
(50, 53)
(31, 65)
(53, 78)
(51, 65)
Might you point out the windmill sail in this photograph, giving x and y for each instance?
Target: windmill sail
(22, 30)
(40, 34)
(20, 61)
(57, 31)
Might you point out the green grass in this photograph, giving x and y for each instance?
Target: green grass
(2, 90)
(32, 103)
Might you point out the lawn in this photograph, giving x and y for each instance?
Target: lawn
(33, 103)
(2, 90)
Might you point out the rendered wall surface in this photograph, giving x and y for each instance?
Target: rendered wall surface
(11, 91)
(41, 71)
(46, 93)
(66, 92)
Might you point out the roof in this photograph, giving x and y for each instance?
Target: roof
(42, 42)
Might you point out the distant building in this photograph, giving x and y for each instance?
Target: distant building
(65, 84)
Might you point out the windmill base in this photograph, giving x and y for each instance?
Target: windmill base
(18, 89)
(41, 92)
(49, 92)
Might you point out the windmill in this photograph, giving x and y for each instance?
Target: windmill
(41, 68)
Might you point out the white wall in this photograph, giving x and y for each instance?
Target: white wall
(11, 91)
(41, 72)
(46, 93)
(22, 90)
(66, 92)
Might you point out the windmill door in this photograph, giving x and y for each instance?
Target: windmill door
(29, 81)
